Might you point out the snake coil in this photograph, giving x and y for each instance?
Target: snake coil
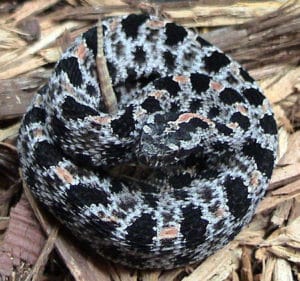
(177, 171)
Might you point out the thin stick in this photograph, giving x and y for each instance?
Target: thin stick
(40, 264)
(107, 91)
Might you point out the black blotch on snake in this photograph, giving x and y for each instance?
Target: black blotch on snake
(71, 109)
(200, 82)
(151, 104)
(90, 37)
(195, 104)
(224, 129)
(254, 96)
(91, 90)
(203, 42)
(193, 226)
(242, 120)
(131, 24)
(246, 75)
(167, 83)
(230, 96)
(71, 67)
(231, 79)
(139, 55)
(169, 59)
(174, 33)
(216, 61)
(213, 112)
(125, 124)
(35, 115)
(47, 154)
(237, 195)
(268, 124)
(179, 181)
(141, 232)
(83, 194)
(263, 157)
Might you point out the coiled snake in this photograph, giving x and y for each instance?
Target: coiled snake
(177, 171)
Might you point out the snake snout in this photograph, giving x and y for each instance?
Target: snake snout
(161, 149)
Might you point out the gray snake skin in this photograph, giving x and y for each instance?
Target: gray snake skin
(179, 169)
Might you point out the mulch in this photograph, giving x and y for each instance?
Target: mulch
(264, 36)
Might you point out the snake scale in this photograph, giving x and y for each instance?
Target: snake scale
(176, 172)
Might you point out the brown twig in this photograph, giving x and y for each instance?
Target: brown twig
(107, 91)
(40, 264)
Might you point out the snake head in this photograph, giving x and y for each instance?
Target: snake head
(166, 139)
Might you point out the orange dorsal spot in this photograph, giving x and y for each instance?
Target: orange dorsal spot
(216, 86)
(157, 94)
(233, 125)
(64, 175)
(220, 212)
(242, 109)
(81, 52)
(255, 179)
(112, 219)
(101, 120)
(181, 79)
(168, 232)
(155, 23)
(38, 132)
(186, 117)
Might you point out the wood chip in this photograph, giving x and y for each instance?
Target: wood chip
(218, 266)
(287, 81)
(281, 213)
(292, 154)
(286, 253)
(285, 175)
(282, 271)
(291, 188)
(247, 272)
(269, 266)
